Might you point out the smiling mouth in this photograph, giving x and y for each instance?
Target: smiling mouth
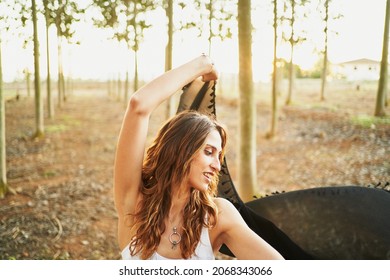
(208, 175)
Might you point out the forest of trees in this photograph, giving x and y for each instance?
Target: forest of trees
(127, 21)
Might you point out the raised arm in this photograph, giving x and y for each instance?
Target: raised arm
(132, 137)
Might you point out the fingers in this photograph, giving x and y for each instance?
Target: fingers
(211, 76)
(213, 73)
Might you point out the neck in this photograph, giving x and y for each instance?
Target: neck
(180, 197)
(179, 200)
(176, 212)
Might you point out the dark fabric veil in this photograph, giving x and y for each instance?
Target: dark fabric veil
(343, 222)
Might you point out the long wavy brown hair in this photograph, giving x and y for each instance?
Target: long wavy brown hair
(166, 165)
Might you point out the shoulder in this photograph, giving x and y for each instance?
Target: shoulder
(227, 213)
(229, 223)
(224, 205)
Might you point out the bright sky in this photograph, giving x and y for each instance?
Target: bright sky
(360, 34)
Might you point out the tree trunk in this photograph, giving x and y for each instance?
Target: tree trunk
(3, 166)
(291, 75)
(324, 74)
(247, 104)
(325, 65)
(126, 96)
(119, 88)
(136, 47)
(169, 54)
(37, 82)
(291, 69)
(136, 86)
(63, 88)
(60, 87)
(274, 116)
(28, 82)
(211, 35)
(50, 107)
(382, 86)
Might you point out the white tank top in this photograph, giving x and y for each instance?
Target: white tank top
(203, 251)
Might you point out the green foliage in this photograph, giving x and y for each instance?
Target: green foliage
(69, 120)
(56, 128)
(294, 11)
(314, 73)
(324, 107)
(219, 16)
(108, 15)
(49, 173)
(63, 14)
(126, 18)
(370, 121)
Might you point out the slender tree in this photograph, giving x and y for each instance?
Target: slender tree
(291, 17)
(169, 51)
(219, 15)
(126, 18)
(3, 166)
(63, 13)
(324, 7)
(325, 65)
(274, 115)
(119, 87)
(247, 104)
(49, 99)
(382, 85)
(11, 19)
(21, 18)
(27, 75)
(39, 120)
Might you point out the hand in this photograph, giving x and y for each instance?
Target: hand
(211, 76)
(213, 72)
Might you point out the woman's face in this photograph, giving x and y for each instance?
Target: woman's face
(206, 162)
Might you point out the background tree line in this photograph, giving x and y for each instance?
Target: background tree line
(127, 21)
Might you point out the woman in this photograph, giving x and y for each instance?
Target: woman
(166, 202)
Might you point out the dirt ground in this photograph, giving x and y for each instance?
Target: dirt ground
(63, 207)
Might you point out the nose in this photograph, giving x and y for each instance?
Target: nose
(216, 164)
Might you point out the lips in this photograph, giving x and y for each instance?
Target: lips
(208, 175)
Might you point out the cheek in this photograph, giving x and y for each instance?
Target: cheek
(197, 168)
(200, 163)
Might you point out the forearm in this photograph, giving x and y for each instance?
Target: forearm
(147, 98)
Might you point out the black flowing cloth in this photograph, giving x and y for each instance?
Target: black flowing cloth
(338, 222)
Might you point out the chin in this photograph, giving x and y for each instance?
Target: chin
(202, 188)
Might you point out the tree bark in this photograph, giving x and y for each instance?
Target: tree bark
(274, 115)
(50, 107)
(3, 167)
(382, 86)
(37, 82)
(169, 53)
(136, 86)
(126, 95)
(135, 12)
(247, 104)
(59, 86)
(292, 43)
(325, 65)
